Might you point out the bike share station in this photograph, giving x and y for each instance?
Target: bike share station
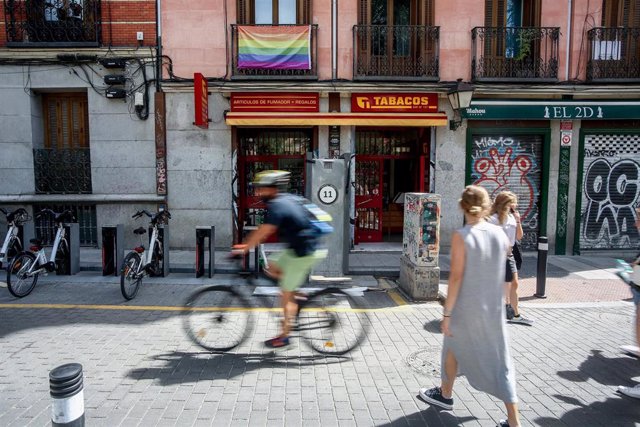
(72, 261)
(113, 249)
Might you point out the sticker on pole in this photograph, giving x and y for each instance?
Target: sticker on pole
(328, 194)
(565, 138)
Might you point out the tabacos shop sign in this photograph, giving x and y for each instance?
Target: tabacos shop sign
(394, 102)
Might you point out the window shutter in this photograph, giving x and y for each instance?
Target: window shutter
(304, 12)
(494, 13)
(364, 12)
(66, 121)
(429, 13)
(631, 14)
(244, 12)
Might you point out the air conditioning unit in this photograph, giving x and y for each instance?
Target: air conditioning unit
(606, 50)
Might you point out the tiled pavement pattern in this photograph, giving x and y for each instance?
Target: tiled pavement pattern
(141, 370)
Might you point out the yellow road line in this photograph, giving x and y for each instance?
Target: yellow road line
(174, 308)
(396, 297)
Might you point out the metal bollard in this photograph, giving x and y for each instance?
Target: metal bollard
(541, 277)
(66, 389)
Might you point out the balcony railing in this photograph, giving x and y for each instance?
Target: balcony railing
(65, 171)
(614, 55)
(52, 23)
(515, 54)
(241, 73)
(396, 52)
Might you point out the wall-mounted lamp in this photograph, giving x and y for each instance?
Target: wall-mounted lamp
(459, 96)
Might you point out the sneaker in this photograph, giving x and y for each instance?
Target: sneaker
(631, 349)
(510, 311)
(521, 320)
(277, 342)
(630, 391)
(434, 396)
(503, 423)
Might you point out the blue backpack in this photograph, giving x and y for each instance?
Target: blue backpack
(319, 220)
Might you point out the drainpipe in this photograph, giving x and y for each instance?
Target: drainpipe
(568, 54)
(158, 45)
(334, 39)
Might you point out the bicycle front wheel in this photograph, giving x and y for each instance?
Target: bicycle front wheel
(130, 276)
(217, 318)
(331, 322)
(19, 281)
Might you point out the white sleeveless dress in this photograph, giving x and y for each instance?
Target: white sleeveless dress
(478, 328)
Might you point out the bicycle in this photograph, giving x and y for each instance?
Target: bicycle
(133, 268)
(12, 244)
(219, 318)
(23, 272)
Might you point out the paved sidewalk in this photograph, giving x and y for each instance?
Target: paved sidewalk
(141, 370)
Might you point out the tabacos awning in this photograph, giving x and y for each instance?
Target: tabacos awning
(237, 118)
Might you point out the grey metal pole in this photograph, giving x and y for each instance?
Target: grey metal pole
(66, 389)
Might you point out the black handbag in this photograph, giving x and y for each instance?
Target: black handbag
(517, 255)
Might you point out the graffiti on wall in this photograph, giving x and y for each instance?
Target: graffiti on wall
(610, 192)
(421, 238)
(511, 163)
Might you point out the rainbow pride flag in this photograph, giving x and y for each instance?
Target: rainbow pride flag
(274, 47)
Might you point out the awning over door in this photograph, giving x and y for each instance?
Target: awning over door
(335, 119)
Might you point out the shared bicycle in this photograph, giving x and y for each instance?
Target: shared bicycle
(219, 318)
(12, 245)
(26, 266)
(139, 262)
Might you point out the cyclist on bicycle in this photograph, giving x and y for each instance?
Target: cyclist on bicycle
(287, 217)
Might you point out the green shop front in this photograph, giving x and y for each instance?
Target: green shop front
(572, 163)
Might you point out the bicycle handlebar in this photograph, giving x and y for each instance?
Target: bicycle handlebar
(58, 216)
(154, 217)
(3, 211)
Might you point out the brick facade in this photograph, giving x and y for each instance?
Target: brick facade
(121, 20)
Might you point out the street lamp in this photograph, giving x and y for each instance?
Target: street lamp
(459, 97)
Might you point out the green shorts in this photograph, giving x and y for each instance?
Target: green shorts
(295, 269)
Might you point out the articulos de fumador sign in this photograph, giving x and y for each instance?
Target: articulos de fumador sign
(552, 110)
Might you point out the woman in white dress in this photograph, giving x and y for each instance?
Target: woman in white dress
(475, 337)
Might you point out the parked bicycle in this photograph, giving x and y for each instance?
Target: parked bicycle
(219, 318)
(23, 272)
(137, 264)
(12, 244)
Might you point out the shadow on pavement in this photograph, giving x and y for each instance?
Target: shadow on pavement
(431, 417)
(608, 372)
(626, 410)
(433, 326)
(184, 367)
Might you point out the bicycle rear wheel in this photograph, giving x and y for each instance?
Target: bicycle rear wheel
(19, 282)
(129, 275)
(217, 318)
(331, 322)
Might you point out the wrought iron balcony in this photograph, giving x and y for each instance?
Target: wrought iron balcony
(396, 52)
(52, 23)
(515, 54)
(614, 55)
(65, 171)
(241, 71)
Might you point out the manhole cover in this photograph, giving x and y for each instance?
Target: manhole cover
(616, 317)
(425, 361)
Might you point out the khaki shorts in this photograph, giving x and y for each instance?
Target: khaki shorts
(295, 269)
